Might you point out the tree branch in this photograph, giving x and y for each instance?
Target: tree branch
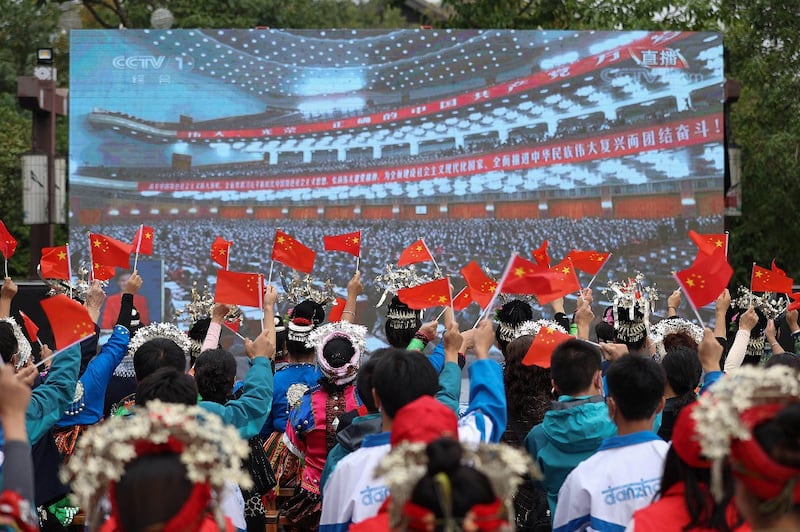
(97, 16)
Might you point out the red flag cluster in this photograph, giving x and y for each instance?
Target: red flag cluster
(772, 280)
(525, 277)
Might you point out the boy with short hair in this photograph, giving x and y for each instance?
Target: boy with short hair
(624, 474)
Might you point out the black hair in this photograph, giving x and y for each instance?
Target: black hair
(214, 373)
(338, 351)
(364, 378)
(157, 353)
(573, 366)
(400, 332)
(605, 332)
(704, 513)
(683, 371)
(280, 337)
(152, 490)
(310, 313)
(784, 359)
(527, 387)
(512, 313)
(780, 436)
(402, 376)
(199, 329)
(636, 384)
(8, 342)
(468, 486)
(168, 385)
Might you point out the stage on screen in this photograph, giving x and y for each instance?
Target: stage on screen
(482, 142)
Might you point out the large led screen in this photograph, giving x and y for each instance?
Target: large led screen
(482, 142)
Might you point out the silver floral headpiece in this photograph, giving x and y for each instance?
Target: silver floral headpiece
(627, 298)
(394, 278)
(212, 450)
(160, 330)
(769, 304)
(356, 334)
(23, 345)
(665, 327)
(718, 415)
(297, 289)
(503, 465)
(533, 327)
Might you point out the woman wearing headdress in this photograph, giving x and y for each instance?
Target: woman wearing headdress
(444, 486)
(750, 419)
(296, 377)
(164, 468)
(311, 430)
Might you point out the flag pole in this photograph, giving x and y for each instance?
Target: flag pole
(69, 267)
(271, 264)
(228, 258)
(261, 299)
(727, 240)
(752, 273)
(496, 294)
(433, 259)
(6, 267)
(691, 303)
(91, 258)
(358, 263)
(598, 271)
(138, 247)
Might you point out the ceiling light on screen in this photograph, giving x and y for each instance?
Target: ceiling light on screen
(319, 81)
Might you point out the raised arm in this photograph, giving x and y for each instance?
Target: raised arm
(354, 289)
(7, 293)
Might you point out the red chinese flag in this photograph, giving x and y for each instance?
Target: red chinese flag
(69, 320)
(348, 242)
(54, 263)
(220, 249)
(232, 325)
(462, 299)
(706, 278)
(777, 270)
(143, 240)
(795, 304)
(234, 288)
(289, 251)
(8, 244)
(764, 280)
(588, 261)
(540, 255)
(544, 343)
(102, 273)
(107, 251)
(433, 294)
(416, 252)
(519, 277)
(336, 311)
(709, 243)
(481, 287)
(558, 281)
(31, 328)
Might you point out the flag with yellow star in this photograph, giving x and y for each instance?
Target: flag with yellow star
(220, 251)
(462, 300)
(243, 289)
(541, 256)
(287, 250)
(427, 295)
(525, 277)
(54, 263)
(481, 287)
(107, 251)
(706, 278)
(710, 243)
(143, 240)
(775, 280)
(347, 242)
(8, 244)
(544, 343)
(416, 252)
(69, 320)
(590, 262)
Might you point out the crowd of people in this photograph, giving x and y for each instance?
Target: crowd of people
(637, 245)
(629, 421)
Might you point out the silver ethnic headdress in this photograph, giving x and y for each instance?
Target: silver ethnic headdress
(297, 289)
(769, 304)
(76, 288)
(632, 302)
(23, 345)
(668, 326)
(160, 330)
